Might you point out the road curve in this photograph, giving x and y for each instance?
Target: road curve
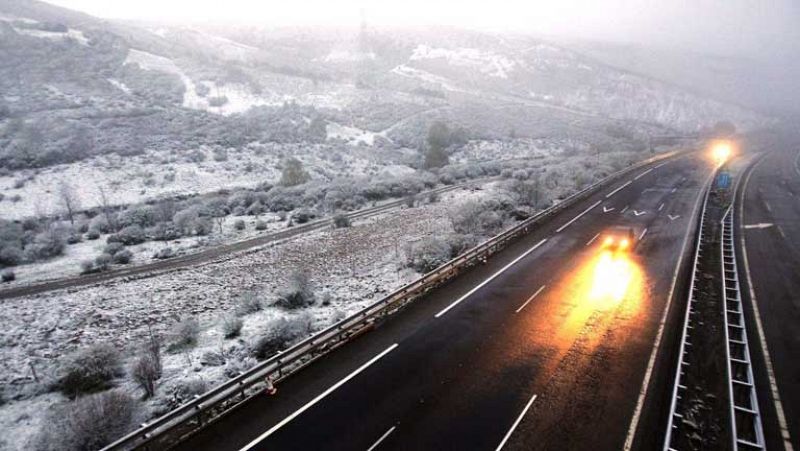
(769, 232)
(520, 353)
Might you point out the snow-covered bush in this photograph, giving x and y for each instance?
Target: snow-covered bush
(129, 235)
(90, 369)
(186, 389)
(91, 422)
(164, 253)
(298, 292)
(341, 220)
(102, 261)
(476, 218)
(231, 326)
(147, 369)
(280, 335)
(7, 275)
(261, 225)
(113, 248)
(10, 255)
(428, 254)
(100, 224)
(239, 224)
(185, 333)
(239, 364)
(248, 302)
(92, 235)
(47, 244)
(123, 257)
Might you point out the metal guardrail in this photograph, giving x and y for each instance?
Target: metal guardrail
(200, 411)
(745, 416)
(675, 417)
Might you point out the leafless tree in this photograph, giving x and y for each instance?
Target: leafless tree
(107, 210)
(69, 200)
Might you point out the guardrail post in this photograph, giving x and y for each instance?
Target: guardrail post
(199, 413)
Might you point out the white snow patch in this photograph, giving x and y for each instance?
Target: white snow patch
(348, 56)
(352, 135)
(411, 72)
(118, 84)
(489, 63)
(77, 35)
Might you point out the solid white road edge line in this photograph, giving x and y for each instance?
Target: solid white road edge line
(773, 385)
(593, 238)
(530, 298)
(662, 164)
(516, 423)
(383, 437)
(502, 270)
(643, 174)
(618, 189)
(578, 217)
(318, 398)
(637, 413)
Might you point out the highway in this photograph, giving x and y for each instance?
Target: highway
(770, 221)
(547, 346)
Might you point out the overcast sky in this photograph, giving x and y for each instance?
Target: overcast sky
(723, 26)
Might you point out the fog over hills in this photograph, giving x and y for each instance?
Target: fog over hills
(175, 86)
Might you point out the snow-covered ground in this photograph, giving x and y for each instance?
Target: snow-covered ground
(490, 63)
(157, 174)
(349, 268)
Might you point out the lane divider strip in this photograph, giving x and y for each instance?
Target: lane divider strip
(516, 423)
(618, 189)
(502, 270)
(318, 398)
(531, 298)
(578, 217)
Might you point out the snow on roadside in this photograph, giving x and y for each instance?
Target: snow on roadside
(349, 267)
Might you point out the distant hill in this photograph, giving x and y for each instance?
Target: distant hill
(74, 86)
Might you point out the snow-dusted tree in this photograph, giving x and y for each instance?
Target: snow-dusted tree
(69, 200)
(293, 173)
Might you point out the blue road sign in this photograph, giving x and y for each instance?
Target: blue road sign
(724, 180)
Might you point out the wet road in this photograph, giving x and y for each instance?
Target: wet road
(545, 347)
(770, 221)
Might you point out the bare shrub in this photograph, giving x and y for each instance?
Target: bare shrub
(123, 257)
(213, 358)
(185, 334)
(148, 368)
(261, 225)
(298, 292)
(90, 369)
(91, 422)
(248, 302)
(186, 389)
(475, 218)
(239, 365)
(231, 326)
(427, 254)
(341, 220)
(280, 335)
(8, 275)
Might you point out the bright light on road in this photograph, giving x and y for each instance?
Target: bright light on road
(611, 277)
(721, 151)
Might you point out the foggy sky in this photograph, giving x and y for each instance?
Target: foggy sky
(754, 28)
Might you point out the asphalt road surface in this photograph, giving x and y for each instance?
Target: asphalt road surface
(547, 346)
(771, 229)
